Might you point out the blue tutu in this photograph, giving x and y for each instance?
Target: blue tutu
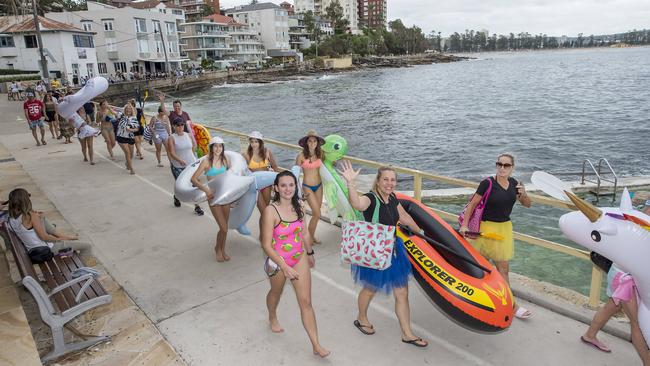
(397, 275)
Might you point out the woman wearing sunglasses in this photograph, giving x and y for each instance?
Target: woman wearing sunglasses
(496, 218)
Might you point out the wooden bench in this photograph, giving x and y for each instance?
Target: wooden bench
(72, 296)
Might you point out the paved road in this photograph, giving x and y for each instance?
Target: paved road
(214, 313)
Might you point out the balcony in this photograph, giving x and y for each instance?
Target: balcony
(112, 55)
(8, 52)
(144, 55)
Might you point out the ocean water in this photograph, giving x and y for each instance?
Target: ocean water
(552, 109)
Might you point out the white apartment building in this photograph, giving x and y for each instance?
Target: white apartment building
(221, 38)
(350, 10)
(128, 39)
(70, 51)
(268, 20)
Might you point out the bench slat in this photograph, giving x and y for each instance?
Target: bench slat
(51, 283)
(96, 286)
(62, 264)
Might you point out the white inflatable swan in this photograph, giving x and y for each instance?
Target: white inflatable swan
(70, 104)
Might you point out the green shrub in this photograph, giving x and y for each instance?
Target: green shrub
(9, 78)
(16, 72)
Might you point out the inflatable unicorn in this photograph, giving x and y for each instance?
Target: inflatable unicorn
(334, 188)
(621, 234)
(70, 104)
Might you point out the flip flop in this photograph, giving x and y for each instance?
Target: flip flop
(417, 342)
(523, 313)
(596, 344)
(361, 326)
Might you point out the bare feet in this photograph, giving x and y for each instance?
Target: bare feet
(43, 141)
(316, 241)
(226, 256)
(320, 351)
(132, 172)
(275, 326)
(85, 158)
(92, 163)
(38, 143)
(160, 165)
(220, 256)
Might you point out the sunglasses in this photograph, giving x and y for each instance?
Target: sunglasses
(502, 165)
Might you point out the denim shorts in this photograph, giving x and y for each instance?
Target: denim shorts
(36, 123)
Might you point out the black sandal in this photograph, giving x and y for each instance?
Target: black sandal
(361, 326)
(415, 342)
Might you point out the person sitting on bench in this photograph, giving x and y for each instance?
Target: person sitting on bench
(33, 229)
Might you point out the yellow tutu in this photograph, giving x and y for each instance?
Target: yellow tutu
(496, 250)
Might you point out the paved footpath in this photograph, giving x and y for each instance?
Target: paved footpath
(215, 314)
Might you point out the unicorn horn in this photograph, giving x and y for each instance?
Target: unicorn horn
(589, 210)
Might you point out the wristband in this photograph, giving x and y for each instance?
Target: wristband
(310, 253)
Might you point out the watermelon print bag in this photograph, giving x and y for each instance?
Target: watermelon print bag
(368, 244)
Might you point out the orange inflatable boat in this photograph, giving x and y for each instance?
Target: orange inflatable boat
(460, 282)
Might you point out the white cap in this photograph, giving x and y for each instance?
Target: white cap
(256, 135)
(216, 140)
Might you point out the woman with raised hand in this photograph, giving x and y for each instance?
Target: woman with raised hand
(216, 163)
(259, 158)
(159, 125)
(310, 160)
(289, 249)
(496, 218)
(105, 118)
(181, 154)
(127, 125)
(394, 278)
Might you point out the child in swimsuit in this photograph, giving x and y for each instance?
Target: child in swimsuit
(310, 160)
(286, 243)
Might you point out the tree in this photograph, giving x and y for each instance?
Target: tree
(312, 28)
(335, 15)
(207, 10)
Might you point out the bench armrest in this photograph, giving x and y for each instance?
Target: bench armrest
(87, 277)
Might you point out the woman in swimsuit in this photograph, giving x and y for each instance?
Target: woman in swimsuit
(310, 160)
(51, 117)
(285, 242)
(159, 124)
(105, 117)
(215, 164)
(259, 158)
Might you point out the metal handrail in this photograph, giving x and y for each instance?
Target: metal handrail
(611, 170)
(418, 175)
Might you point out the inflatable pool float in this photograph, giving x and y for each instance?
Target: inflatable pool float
(243, 208)
(459, 281)
(202, 136)
(70, 104)
(227, 187)
(335, 190)
(621, 234)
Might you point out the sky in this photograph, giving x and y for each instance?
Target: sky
(552, 17)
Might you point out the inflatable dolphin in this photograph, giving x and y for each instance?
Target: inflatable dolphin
(621, 234)
(70, 104)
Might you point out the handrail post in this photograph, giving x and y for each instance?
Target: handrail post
(417, 186)
(594, 288)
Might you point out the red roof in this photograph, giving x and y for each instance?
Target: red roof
(222, 19)
(148, 4)
(46, 25)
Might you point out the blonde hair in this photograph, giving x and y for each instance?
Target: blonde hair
(128, 105)
(380, 172)
(507, 155)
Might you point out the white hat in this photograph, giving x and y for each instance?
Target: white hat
(256, 135)
(216, 140)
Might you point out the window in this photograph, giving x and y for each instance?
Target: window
(83, 41)
(90, 70)
(156, 25)
(171, 27)
(7, 41)
(135, 67)
(143, 45)
(140, 25)
(177, 12)
(108, 24)
(87, 25)
(75, 69)
(173, 46)
(102, 68)
(30, 42)
(159, 46)
(120, 66)
(110, 44)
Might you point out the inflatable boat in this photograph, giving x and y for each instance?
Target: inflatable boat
(459, 281)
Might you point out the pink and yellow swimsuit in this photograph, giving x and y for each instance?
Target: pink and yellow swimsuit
(287, 239)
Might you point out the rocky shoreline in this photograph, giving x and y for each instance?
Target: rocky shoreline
(359, 64)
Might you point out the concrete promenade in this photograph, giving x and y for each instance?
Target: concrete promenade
(215, 314)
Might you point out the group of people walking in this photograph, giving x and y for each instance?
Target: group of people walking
(287, 237)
